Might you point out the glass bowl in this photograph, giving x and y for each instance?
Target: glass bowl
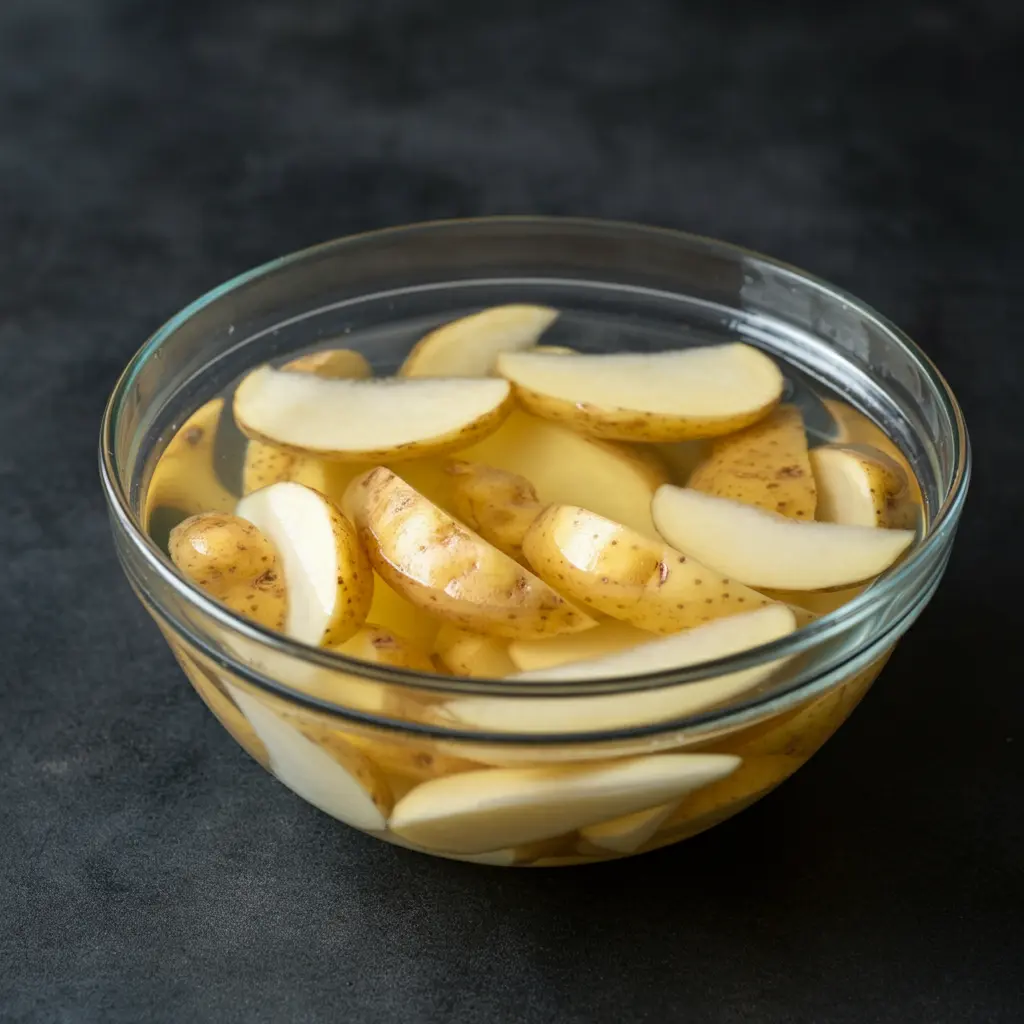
(530, 773)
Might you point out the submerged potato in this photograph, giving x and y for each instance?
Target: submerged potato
(766, 465)
(234, 562)
(439, 565)
(381, 646)
(616, 571)
(499, 505)
(473, 654)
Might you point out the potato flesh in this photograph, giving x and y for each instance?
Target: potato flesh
(766, 465)
(618, 572)
(437, 564)
(861, 486)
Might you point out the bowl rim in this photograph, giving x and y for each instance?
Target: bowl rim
(938, 533)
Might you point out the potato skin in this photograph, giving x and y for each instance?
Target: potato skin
(438, 564)
(234, 562)
(619, 572)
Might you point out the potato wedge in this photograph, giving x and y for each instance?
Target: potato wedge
(342, 783)
(437, 564)
(185, 477)
(469, 347)
(234, 562)
(564, 467)
(368, 420)
(617, 571)
(334, 363)
(606, 637)
(528, 715)
(766, 465)
(326, 572)
(476, 812)
(853, 427)
(861, 486)
(392, 611)
(381, 646)
(764, 549)
(499, 505)
(473, 654)
(658, 396)
(626, 834)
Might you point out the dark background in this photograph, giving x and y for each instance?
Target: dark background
(148, 870)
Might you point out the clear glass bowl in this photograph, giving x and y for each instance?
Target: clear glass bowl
(548, 773)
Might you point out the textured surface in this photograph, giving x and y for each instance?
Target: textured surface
(149, 870)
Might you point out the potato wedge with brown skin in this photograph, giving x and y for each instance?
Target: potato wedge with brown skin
(381, 646)
(379, 420)
(473, 654)
(234, 562)
(616, 571)
(499, 505)
(438, 564)
(861, 486)
(614, 480)
(469, 347)
(336, 363)
(652, 396)
(325, 570)
(184, 477)
(766, 465)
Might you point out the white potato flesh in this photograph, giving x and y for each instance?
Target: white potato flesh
(469, 347)
(352, 792)
(604, 638)
(368, 420)
(476, 812)
(327, 575)
(719, 639)
(862, 487)
(656, 396)
(628, 833)
(764, 549)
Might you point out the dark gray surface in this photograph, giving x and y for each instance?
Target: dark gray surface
(148, 870)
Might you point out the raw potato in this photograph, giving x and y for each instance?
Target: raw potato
(764, 549)
(658, 396)
(682, 458)
(381, 646)
(185, 477)
(861, 486)
(469, 347)
(326, 572)
(473, 654)
(853, 427)
(234, 562)
(611, 479)
(394, 612)
(550, 714)
(626, 834)
(343, 783)
(617, 571)
(266, 464)
(336, 363)
(436, 563)
(499, 505)
(605, 638)
(368, 420)
(481, 811)
(766, 465)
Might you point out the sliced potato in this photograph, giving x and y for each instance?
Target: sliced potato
(340, 363)
(470, 346)
(368, 420)
(619, 572)
(861, 486)
(235, 563)
(658, 396)
(764, 549)
(475, 812)
(499, 505)
(765, 464)
(392, 611)
(185, 478)
(605, 638)
(326, 572)
(383, 647)
(473, 654)
(611, 479)
(342, 783)
(853, 427)
(529, 715)
(437, 564)
(628, 833)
